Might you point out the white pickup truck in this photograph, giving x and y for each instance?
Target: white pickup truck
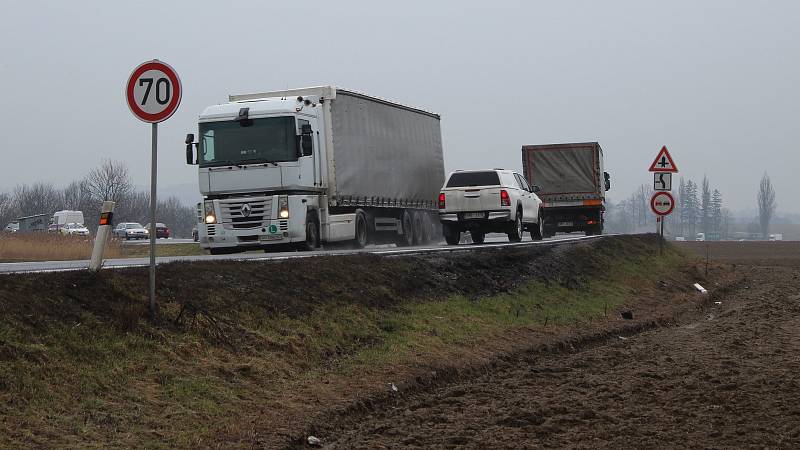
(489, 201)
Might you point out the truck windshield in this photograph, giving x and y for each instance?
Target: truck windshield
(464, 179)
(250, 141)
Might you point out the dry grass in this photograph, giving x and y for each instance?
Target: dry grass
(50, 247)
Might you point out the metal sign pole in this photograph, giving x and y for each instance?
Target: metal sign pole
(153, 167)
(662, 234)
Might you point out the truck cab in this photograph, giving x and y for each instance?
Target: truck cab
(258, 171)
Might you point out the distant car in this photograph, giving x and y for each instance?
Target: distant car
(700, 237)
(74, 229)
(195, 234)
(12, 227)
(162, 231)
(489, 201)
(680, 238)
(61, 218)
(131, 230)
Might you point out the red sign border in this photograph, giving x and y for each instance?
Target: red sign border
(653, 203)
(653, 167)
(173, 104)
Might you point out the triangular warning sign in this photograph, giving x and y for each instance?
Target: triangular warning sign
(663, 162)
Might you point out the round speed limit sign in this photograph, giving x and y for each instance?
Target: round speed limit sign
(153, 91)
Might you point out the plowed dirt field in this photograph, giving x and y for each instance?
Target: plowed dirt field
(726, 376)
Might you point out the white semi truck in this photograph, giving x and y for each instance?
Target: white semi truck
(314, 165)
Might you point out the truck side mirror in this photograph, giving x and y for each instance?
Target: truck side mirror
(535, 188)
(189, 149)
(306, 142)
(608, 180)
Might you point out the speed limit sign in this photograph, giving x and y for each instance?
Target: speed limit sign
(153, 91)
(153, 94)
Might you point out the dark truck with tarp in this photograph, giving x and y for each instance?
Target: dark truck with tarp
(573, 185)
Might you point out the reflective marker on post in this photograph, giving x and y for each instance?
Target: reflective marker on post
(106, 222)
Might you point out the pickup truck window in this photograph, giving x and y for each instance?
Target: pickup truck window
(465, 179)
(522, 183)
(250, 141)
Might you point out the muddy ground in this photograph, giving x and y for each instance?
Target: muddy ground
(722, 375)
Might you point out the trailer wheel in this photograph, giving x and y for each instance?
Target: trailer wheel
(362, 229)
(427, 229)
(407, 238)
(418, 225)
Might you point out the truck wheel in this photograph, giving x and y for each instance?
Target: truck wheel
(407, 238)
(515, 234)
(594, 231)
(537, 234)
(312, 233)
(477, 237)
(362, 229)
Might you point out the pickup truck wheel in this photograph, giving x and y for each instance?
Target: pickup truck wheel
(477, 237)
(537, 234)
(515, 235)
(453, 239)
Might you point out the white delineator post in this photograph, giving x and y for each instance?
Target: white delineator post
(101, 238)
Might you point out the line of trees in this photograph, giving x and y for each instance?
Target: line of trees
(698, 208)
(110, 181)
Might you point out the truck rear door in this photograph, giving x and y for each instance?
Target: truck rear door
(472, 191)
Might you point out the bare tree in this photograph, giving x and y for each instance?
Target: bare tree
(38, 198)
(766, 204)
(6, 209)
(110, 181)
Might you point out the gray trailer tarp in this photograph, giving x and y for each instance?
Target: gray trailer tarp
(564, 170)
(385, 151)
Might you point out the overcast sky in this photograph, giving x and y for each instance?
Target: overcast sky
(717, 82)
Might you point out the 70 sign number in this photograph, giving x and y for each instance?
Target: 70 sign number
(161, 82)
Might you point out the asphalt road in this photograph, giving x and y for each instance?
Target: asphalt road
(388, 250)
(158, 241)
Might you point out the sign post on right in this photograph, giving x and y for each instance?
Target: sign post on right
(662, 203)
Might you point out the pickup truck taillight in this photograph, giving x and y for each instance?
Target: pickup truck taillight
(441, 200)
(505, 200)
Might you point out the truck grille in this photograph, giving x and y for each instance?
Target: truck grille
(234, 211)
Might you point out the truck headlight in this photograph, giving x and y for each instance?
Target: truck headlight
(283, 206)
(209, 210)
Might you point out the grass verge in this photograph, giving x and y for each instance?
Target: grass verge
(221, 367)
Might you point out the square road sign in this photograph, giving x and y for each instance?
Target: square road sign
(662, 181)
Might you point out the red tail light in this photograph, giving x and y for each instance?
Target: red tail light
(441, 200)
(505, 200)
